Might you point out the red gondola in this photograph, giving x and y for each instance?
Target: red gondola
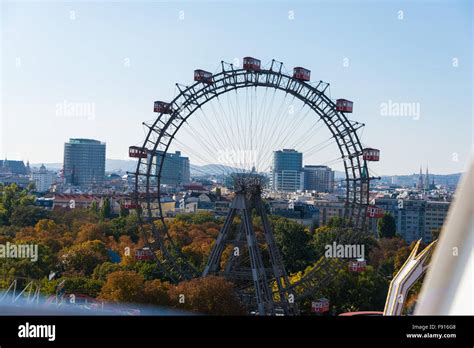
(137, 152)
(320, 306)
(130, 205)
(374, 212)
(143, 254)
(369, 154)
(301, 74)
(251, 64)
(357, 265)
(344, 105)
(162, 107)
(203, 76)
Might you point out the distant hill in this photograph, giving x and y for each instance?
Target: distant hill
(446, 179)
(115, 165)
(111, 165)
(211, 169)
(49, 166)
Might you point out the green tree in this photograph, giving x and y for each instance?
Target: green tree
(94, 208)
(352, 291)
(123, 212)
(196, 218)
(125, 226)
(386, 226)
(31, 187)
(435, 232)
(337, 222)
(82, 285)
(294, 242)
(102, 270)
(11, 197)
(105, 211)
(29, 267)
(27, 215)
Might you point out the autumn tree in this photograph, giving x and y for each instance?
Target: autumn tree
(45, 232)
(91, 231)
(383, 255)
(84, 257)
(209, 295)
(123, 286)
(73, 219)
(155, 292)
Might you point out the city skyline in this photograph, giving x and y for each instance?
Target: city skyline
(395, 77)
(237, 158)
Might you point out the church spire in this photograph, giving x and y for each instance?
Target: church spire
(427, 179)
(420, 179)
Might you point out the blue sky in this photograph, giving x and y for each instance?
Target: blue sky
(118, 57)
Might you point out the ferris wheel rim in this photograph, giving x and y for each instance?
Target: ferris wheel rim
(346, 138)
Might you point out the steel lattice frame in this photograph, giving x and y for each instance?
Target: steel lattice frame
(163, 130)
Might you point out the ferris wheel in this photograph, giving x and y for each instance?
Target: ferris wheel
(234, 119)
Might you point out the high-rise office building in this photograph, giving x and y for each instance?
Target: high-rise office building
(318, 178)
(84, 162)
(176, 169)
(287, 171)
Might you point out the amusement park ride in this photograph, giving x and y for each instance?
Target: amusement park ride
(258, 275)
(248, 196)
(255, 264)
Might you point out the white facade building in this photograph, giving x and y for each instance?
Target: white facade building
(43, 179)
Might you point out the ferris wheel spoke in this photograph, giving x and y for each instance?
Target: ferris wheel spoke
(262, 130)
(323, 145)
(295, 127)
(291, 128)
(309, 134)
(234, 145)
(203, 160)
(227, 144)
(204, 142)
(277, 138)
(269, 138)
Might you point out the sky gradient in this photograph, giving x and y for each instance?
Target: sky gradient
(114, 59)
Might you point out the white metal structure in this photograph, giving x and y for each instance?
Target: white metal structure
(448, 287)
